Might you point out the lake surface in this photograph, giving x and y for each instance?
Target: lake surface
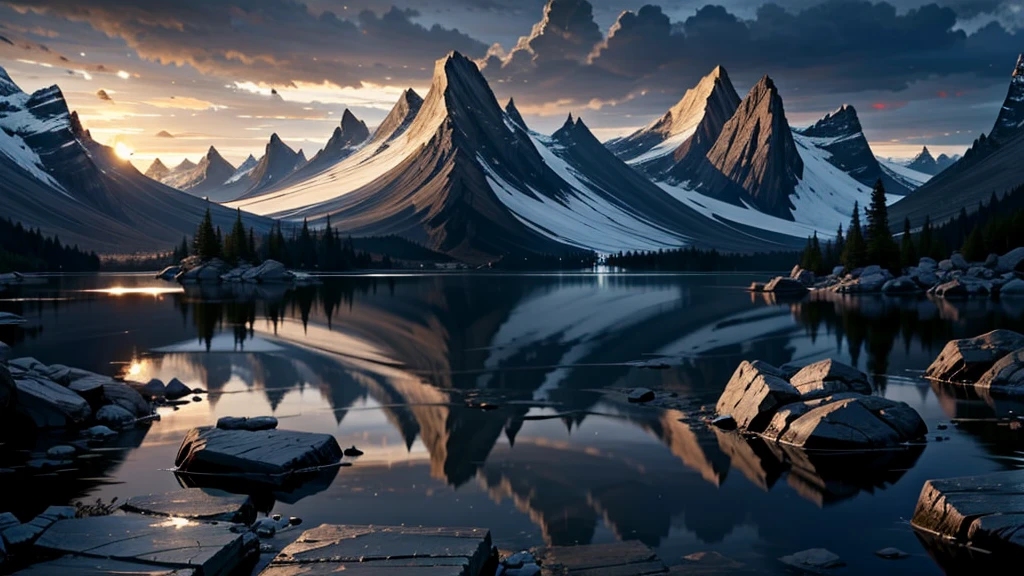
(396, 365)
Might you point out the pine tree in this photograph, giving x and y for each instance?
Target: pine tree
(252, 246)
(237, 248)
(924, 241)
(218, 244)
(908, 252)
(855, 249)
(306, 249)
(974, 247)
(205, 243)
(881, 248)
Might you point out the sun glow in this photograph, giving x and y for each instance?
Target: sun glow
(123, 150)
(151, 291)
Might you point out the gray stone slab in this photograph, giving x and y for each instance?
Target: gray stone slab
(209, 549)
(86, 566)
(270, 452)
(384, 550)
(50, 405)
(195, 504)
(985, 512)
(631, 558)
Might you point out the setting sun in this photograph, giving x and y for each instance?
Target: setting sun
(123, 150)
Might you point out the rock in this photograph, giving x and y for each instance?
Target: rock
(176, 389)
(961, 288)
(789, 369)
(207, 273)
(925, 278)
(268, 527)
(927, 263)
(838, 270)
(168, 273)
(47, 463)
(813, 559)
(1011, 259)
(85, 566)
(968, 359)
(992, 262)
(340, 549)
(753, 394)
(99, 432)
(854, 422)
(870, 270)
(195, 504)
(154, 389)
(640, 395)
(25, 534)
(959, 262)
(9, 319)
(21, 535)
(268, 452)
(891, 554)
(980, 272)
(805, 277)
(1007, 373)
(828, 377)
(901, 285)
(785, 286)
(91, 389)
(727, 423)
(254, 424)
(756, 287)
(8, 520)
(353, 452)
(209, 549)
(983, 511)
(8, 389)
(268, 272)
(1013, 289)
(61, 451)
(127, 397)
(5, 353)
(115, 416)
(50, 405)
(946, 265)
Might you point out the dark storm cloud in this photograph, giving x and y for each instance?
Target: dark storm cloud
(273, 41)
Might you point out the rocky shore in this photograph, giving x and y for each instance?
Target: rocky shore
(216, 271)
(953, 278)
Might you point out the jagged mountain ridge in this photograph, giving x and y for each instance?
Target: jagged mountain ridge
(157, 170)
(207, 176)
(345, 140)
(466, 178)
(1011, 115)
(54, 176)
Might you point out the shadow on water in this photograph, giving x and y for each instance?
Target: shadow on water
(557, 453)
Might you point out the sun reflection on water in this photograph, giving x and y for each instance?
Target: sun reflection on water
(154, 291)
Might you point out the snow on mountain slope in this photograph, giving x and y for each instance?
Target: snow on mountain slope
(911, 178)
(243, 170)
(14, 147)
(203, 178)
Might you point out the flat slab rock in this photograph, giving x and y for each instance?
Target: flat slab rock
(384, 551)
(208, 549)
(270, 452)
(195, 504)
(86, 566)
(985, 512)
(631, 558)
(968, 359)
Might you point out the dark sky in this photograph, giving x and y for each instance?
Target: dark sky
(230, 72)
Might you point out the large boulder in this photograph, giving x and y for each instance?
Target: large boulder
(114, 416)
(829, 377)
(206, 273)
(126, 397)
(275, 453)
(928, 263)
(962, 288)
(1006, 374)
(48, 404)
(8, 389)
(268, 272)
(901, 285)
(983, 511)
(5, 353)
(959, 262)
(968, 359)
(871, 280)
(925, 277)
(1014, 289)
(754, 393)
(853, 421)
(1011, 260)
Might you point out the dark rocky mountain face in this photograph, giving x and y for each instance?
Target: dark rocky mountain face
(674, 145)
(345, 140)
(513, 114)
(924, 163)
(399, 119)
(841, 135)
(1011, 115)
(208, 175)
(756, 154)
(278, 162)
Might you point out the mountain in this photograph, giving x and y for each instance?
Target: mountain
(203, 178)
(1011, 115)
(157, 170)
(461, 176)
(925, 163)
(54, 176)
(944, 161)
(672, 145)
(243, 169)
(840, 134)
(346, 139)
(991, 165)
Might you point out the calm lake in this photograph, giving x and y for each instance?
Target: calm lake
(398, 366)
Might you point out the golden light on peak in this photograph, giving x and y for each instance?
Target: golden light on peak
(123, 150)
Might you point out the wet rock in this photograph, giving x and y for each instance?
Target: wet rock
(154, 389)
(8, 389)
(209, 549)
(168, 273)
(785, 287)
(891, 554)
(28, 532)
(851, 421)
(269, 271)
(9, 319)
(946, 265)
(353, 452)
(640, 395)
(1012, 289)
(992, 261)
(269, 452)
(86, 566)
(61, 451)
(1011, 260)
(50, 405)
(959, 262)
(901, 285)
(99, 433)
(519, 564)
(756, 287)
(725, 423)
(195, 504)
(983, 511)
(814, 559)
(968, 359)
(961, 288)
(176, 389)
(829, 377)
(1007, 373)
(753, 394)
(207, 273)
(126, 397)
(253, 424)
(8, 520)
(268, 527)
(114, 416)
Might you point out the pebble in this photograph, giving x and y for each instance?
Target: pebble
(99, 432)
(891, 553)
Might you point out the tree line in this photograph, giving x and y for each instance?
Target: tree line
(29, 250)
(306, 249)
(698, 260)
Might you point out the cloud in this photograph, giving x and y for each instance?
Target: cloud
(164, 134)
(269, 41)
(103, 95)
(184, 103)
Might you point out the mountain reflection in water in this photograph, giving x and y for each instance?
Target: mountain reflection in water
(398, 366)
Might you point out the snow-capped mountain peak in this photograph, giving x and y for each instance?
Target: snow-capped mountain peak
(7, 86)
(513, 114)
(157, 170)
(1011, 115)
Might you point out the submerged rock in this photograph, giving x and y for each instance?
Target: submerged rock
(814, 559)
(269, 452)
(968, 359)
(176, 389)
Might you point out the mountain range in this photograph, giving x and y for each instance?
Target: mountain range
(54, 176)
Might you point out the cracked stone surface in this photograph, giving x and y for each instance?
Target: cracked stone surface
(195, 504)
(985, 512)
(271, 452)
(85, 566)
